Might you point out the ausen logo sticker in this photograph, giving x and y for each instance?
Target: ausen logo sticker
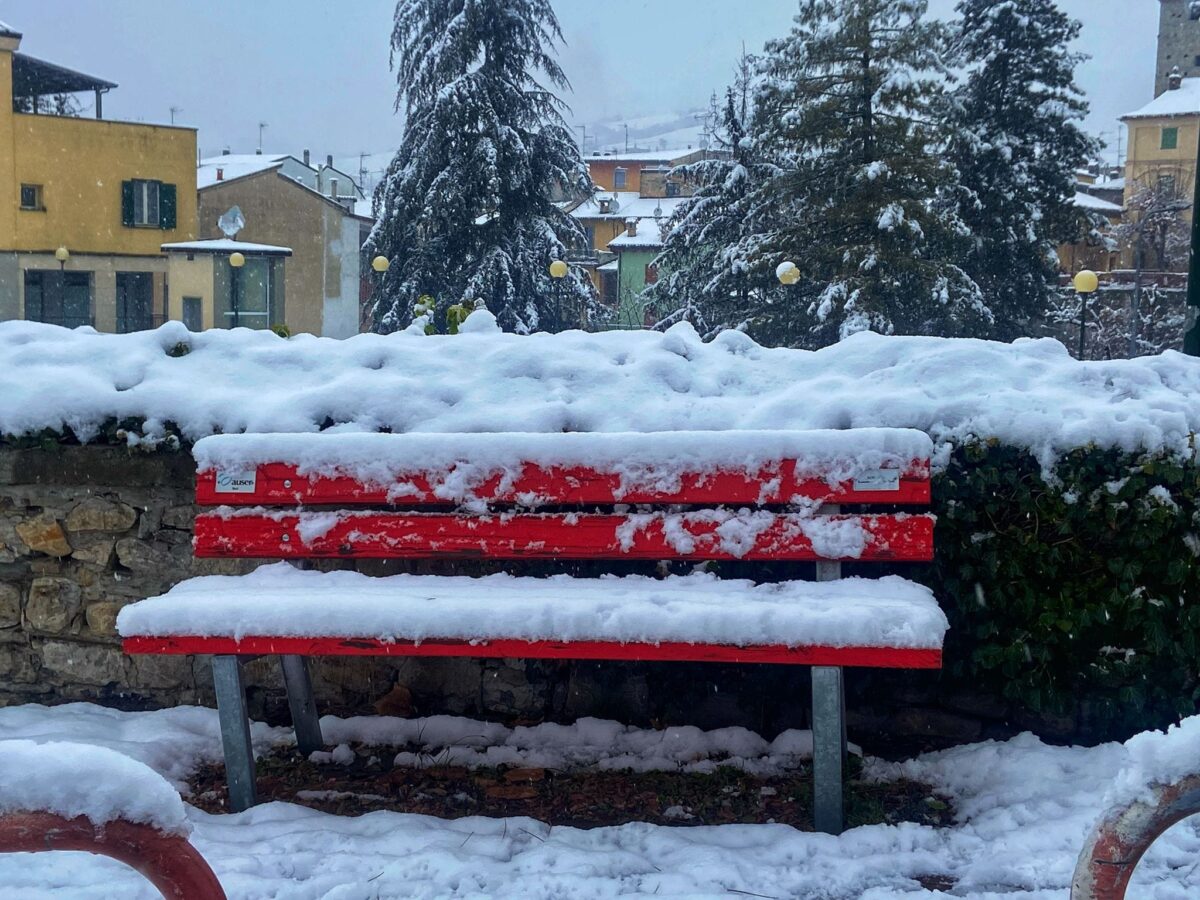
(236, 482)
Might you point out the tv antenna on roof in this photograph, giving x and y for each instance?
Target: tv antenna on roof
(175, 110)
(262, 126)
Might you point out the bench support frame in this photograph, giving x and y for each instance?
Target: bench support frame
(828, 729)
(235, 731)
(302, 704)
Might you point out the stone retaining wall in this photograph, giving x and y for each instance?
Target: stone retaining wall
(86, 530)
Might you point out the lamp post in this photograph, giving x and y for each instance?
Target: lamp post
(558, 271)
(1086, 284)
(236, 261)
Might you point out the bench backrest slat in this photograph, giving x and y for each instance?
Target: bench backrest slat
(283, 484)
(700, 536)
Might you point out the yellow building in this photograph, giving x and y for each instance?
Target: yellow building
(1163, 137)
(85, 204)
(225, 283)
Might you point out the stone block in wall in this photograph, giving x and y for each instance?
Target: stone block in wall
(98, 514)
(182, 517)
(44, 534)
(161, 672)
(96, 549)
(53, 604)
(10, 604)
(101, 618)
(513, 688)
(17, 665)
(92, 467)
(937, 724)
(142, 556)
(93, 664)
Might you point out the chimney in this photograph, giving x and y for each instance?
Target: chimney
(631, 225)
(258, 152)
(225, 152)
(1175, 80)
(308, 159)
(333, 188)
(329, 161)
(220, 174)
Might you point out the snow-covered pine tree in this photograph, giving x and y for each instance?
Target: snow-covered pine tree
(1017, 145)
(466, 211)
(854, 97)
(707, 276)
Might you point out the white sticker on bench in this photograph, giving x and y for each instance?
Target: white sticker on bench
(236, 482)
(879, 480)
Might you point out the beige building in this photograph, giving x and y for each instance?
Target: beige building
(1178, 42)
(227, 284)
(84, 202)
(278, 196)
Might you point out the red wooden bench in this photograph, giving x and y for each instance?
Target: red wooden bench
(688, 497)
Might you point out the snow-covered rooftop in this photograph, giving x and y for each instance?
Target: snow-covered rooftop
(225, 245)
(1095, 204)
(1184, 101)
(5, 28)
(655, 156)
(649, 236)
(236, 165)
(627, 205)
(1030, 394)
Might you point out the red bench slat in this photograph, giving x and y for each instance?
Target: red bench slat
(280, 484)
(875, 657)
(383, 535)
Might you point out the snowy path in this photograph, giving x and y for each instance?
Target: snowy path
(1024, 809)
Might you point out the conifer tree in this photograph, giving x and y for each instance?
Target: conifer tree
(1017, 145)
(709, 274)
(466, 212)
(853, 105)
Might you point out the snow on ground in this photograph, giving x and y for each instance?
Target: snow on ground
(1024, 809)
(1030, 393)
(284, 601)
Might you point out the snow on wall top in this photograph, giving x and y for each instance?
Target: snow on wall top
(1157, 759)
(73, 780)
(1029, 394)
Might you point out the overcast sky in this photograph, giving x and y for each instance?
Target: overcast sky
(317, 72)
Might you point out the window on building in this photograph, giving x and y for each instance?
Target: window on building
(620, 178)
(148, 204)
(651, 274)
(589, 233)
(135, 302)
(1166, 185)
(1170, 139)
(58, 297)
(192, 313)
(31, 196)
(672, 189)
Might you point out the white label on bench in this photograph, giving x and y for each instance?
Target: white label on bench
(879, 480)
(236, 482)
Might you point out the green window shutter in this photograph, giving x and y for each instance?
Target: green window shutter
(1170, 139)
(127, 204)
(168, 205)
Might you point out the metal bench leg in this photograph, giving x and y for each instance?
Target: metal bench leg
(235, 731)
(829, 748)
(302, 704)
(829, 727)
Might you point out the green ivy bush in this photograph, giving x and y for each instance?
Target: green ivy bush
(1078, 591)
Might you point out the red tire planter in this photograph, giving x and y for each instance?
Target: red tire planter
(1122, 837)
(167, 861)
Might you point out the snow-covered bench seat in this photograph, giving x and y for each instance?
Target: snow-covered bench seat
(696, 496)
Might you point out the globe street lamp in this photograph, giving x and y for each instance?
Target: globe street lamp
(788, 273)
(1086, 284)
(236, 261)
(558, 271)
(62, 254)
(381, 264)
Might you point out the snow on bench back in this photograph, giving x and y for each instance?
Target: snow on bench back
(72, 780)
(1029, 394)
(749, 467)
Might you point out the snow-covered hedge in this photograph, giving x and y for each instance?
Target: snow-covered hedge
(1066, 492)
(1030, 395)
